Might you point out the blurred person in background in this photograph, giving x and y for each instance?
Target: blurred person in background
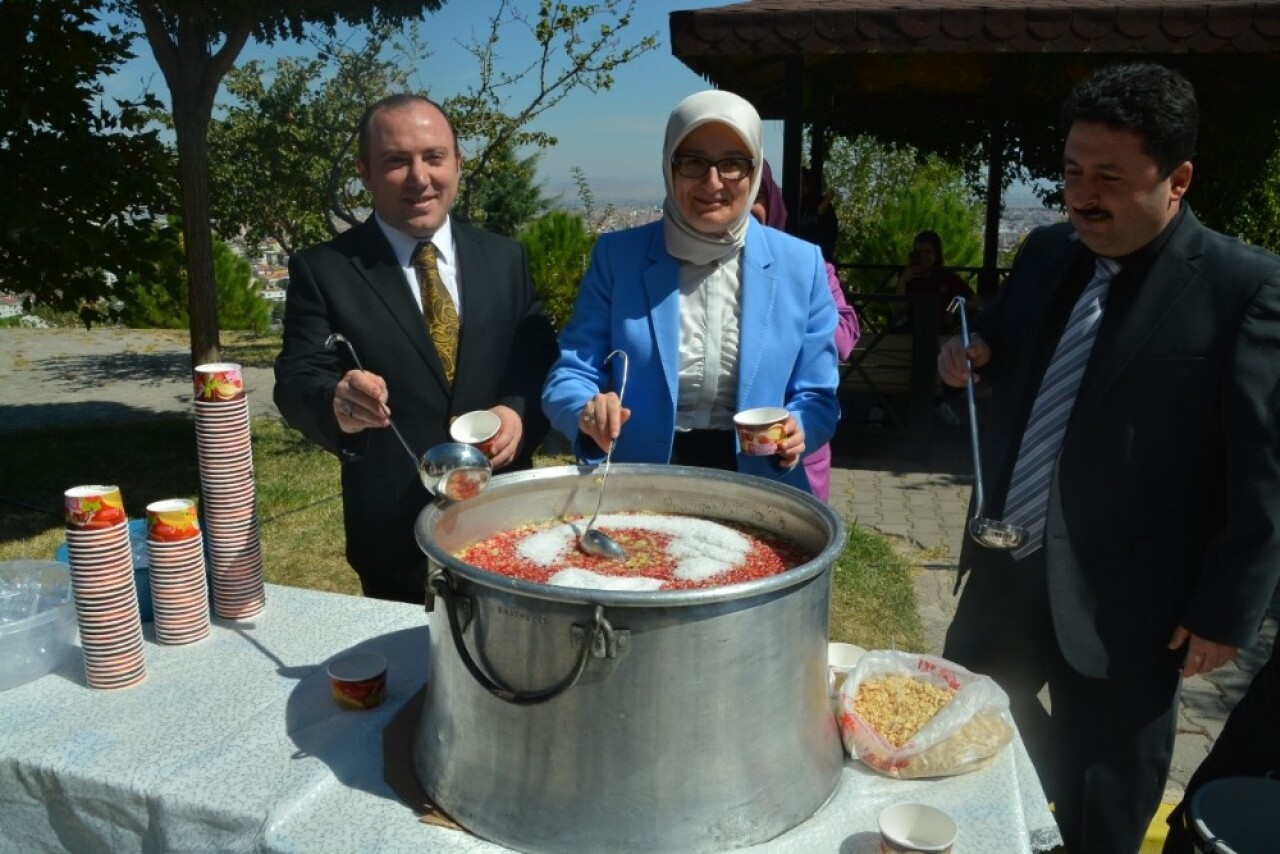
(925, 276)
(817, 222)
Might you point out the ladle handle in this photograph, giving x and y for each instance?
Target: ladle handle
(338, 338)
(608, 457)
(958, 306)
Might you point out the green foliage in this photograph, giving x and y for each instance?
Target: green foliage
(239, 304)
(506, 195)
(1244, 200)
(886, 194)
(559, 247)
(82, 177)
(157, 299)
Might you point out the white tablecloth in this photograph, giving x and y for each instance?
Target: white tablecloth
(234, 744)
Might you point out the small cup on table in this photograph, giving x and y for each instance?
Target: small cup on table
(358, 681)
(761, 431)
(479, 428)
(916, 829)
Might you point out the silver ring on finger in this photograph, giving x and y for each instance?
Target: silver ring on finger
(347, 408)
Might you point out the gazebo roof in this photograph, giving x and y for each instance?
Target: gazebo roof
(942, 73)
(1062, 26)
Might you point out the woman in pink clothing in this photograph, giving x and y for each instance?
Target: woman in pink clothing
(770, 211)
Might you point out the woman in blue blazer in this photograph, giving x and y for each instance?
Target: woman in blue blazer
(716, 314)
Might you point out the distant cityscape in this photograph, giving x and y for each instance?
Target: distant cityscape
(1015, 224)
(269, 263)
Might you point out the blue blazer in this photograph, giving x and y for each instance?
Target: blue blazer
(630, 300)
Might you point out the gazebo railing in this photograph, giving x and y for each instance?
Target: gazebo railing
(889, 383)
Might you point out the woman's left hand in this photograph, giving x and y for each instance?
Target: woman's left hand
(792, 443)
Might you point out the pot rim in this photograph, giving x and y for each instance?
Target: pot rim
(827, 518)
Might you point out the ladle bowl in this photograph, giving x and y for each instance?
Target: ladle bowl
(455, 470)
(452, 470)
(995, 534)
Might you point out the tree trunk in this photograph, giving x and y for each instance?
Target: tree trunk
(202, 288)
(180, 43)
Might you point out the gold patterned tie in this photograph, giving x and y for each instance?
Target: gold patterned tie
(437, 307)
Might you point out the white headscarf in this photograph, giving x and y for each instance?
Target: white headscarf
(682, 239)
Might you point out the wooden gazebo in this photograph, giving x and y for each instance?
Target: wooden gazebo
(951, 75)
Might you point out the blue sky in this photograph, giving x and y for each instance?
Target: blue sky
(615, 137)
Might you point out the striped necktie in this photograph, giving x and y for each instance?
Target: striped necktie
(437, 307)
(1027, 502)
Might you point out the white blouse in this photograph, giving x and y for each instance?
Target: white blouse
(710, 317)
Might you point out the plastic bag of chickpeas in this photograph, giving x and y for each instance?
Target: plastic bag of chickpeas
(910, 715)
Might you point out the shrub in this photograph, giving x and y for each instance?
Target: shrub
(559, 247)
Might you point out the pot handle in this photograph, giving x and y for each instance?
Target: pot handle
(598, 635)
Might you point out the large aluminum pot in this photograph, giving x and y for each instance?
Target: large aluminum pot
(562, 719)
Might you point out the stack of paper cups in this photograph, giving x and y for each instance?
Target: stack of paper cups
(101, 561)
(179, 593)
(227, 491)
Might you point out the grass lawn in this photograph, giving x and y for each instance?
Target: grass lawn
(873, 601)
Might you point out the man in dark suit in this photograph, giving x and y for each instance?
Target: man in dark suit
(1134, 359)
(382, 284)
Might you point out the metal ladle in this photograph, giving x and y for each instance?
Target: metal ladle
(592, 540)
(992, 533)
(454, 470)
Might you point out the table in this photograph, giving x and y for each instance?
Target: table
(233, 744)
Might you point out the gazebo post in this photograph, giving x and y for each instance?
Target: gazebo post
(818, 155)
(988, 280)
(792, 129)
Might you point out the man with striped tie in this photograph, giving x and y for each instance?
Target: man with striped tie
(1134, 362)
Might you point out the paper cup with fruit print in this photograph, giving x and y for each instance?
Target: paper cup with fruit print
(172, 519)
(359, 680)
(93, 506)
(760, 431)
(219, 382)
(478, 427)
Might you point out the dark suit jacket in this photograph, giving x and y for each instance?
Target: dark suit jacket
(354, 285)
(1165, 502)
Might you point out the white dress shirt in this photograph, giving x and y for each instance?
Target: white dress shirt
(446, 259)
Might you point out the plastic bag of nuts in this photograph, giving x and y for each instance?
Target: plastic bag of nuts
(911, 715)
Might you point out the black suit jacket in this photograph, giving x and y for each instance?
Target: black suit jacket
(354, 285)
(1165, 502)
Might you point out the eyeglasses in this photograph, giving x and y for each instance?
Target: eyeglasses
(728, 168)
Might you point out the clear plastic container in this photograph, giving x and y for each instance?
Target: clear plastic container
(37, 619)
